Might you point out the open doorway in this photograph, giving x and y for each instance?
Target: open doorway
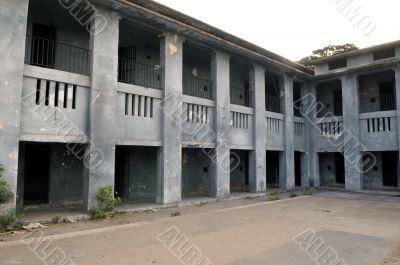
(339, 164)
(389, 169)
(297, 168)
(272, 158)
(36, 182)
(239, 171)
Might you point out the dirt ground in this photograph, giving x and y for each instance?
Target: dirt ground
(326, 228)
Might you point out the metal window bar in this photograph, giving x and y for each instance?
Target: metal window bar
(240, 96)
(132, 72)
(197, 87)
(56, 55)
(385, 103)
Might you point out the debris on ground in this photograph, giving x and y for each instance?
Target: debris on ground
(33, 226)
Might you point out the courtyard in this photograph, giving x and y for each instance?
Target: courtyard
(325, 228)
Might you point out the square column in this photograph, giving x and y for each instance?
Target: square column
(397, 89)
(170, 167)
(287, 181)
(309, 101)
(220, 164)
(352, 152)
(13, 21)
(257, 163)
(103, 98)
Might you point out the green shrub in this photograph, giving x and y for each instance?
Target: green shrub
(293, 194)
(106, 203)
(56, 220)
(175, 214)
(273, 196)
(97, 213)
(5, 191)
(308, 191)
(8, 220)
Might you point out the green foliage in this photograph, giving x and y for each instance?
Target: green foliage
(5, 191)
(106, 202)
(175, 214)
(308, 192)
(273, 196)
(106, 199)
(293, 194)
(97, 213)
(325, 52)
(9, 220)
(56, 220)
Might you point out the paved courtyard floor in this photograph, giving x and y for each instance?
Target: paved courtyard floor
(325, 228)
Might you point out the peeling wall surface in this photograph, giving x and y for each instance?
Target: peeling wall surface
(143, 94)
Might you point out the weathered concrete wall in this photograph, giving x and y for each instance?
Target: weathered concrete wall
(239, 171)
(170, 184)
(66, 176)
(104, 46)
(195, 173)
(257, 161)
(352, 146)
(220, 166)
(196, 63)
(13, 30)
(287, 157)
(374, 178)
(327, 169)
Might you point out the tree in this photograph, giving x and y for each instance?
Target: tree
(325, 52)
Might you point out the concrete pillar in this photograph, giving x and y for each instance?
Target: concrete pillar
(103, 98)
(352, 152)
(397, 89)
(310, 114)
(287, 181)
(170, 173)
(257, 162)
(220, 166)
(13, 21)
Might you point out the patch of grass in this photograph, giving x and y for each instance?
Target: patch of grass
(308, 191)
(97, 213)
(273, 196)
(106, 203)
(6, 194)
(293, 194)
(56, 220)
(175, 214)
(10, 221)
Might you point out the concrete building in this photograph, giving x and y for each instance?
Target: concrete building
(164, 107)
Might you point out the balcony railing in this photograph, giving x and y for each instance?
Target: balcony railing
(132, 72)
(240, 96)
(273, 104)
(384, 103)
(197, 87)
(56, 55)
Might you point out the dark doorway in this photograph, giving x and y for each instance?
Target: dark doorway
(297, 168)
(43, 45)
(389, 169)
(386, 95)
(339, 163)
(121, 170)
(272, 169)
(36, 181)
(337, 103)
(239, 171)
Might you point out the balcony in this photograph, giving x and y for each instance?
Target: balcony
(132, 72)
(383, 103)
(56, 55)
(240, 96)
(197, 87)
(273, 104)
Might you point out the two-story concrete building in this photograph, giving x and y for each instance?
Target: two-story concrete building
(163, 107)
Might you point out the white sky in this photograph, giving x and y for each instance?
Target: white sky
(293, 28)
